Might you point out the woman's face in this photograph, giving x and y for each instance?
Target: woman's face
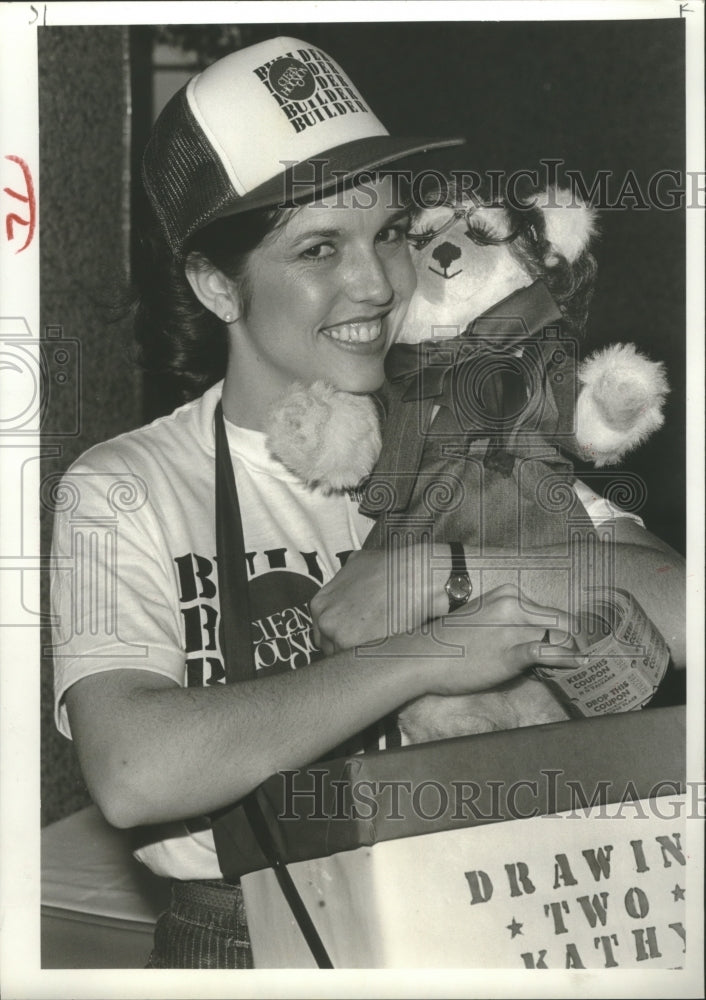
(328, 292)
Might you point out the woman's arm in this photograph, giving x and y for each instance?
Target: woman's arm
(355, 606)
(152, 751)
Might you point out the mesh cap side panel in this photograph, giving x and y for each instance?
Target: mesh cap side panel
(185, 181)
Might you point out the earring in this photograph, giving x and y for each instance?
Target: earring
(228, 318)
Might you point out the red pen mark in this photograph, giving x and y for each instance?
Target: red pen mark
(12, 219)
(663, 569)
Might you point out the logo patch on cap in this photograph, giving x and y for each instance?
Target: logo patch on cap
(309, 88)
(291, 79)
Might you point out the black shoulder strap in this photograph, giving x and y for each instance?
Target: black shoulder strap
(236, 641)
(236, 646)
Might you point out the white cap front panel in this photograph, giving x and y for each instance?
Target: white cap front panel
(281, 100)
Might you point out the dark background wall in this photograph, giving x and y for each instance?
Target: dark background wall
(597, 95)
(84, 180)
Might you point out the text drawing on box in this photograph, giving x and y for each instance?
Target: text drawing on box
(611, 905)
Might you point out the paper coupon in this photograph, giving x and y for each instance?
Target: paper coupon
(624, 665)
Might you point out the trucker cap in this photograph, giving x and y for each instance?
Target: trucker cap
(272, 124)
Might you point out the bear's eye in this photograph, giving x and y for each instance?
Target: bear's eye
(432, 223)
(421, 238)
(482, 234)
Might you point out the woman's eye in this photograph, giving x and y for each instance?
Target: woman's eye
(318, 252)
(392, 235)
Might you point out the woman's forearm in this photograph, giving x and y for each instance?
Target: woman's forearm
(152, 751)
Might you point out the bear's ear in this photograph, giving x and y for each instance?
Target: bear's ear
(569, 223)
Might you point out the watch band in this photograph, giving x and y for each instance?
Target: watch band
(458, 559)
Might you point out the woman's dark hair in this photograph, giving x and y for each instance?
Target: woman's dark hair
(176, 335)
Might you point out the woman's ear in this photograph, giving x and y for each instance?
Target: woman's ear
(214, 290)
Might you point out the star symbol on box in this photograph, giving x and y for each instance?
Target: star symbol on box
(678, 892)
(515, 928)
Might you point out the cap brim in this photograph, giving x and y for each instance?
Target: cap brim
(331, 168)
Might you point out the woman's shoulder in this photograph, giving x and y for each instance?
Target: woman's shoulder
(182, 438)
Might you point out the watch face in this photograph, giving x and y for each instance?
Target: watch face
(458, 587)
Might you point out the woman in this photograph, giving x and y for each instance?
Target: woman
(261, 296)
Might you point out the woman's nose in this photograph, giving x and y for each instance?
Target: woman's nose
(368, 279)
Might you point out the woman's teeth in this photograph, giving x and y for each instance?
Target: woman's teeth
(356, 333)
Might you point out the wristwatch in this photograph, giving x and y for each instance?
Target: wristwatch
(458, 587)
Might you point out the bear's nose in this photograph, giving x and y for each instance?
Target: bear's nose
(445, 254)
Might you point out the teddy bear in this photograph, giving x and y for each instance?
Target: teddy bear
(485, 406)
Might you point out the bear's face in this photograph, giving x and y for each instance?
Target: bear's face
(459, 275)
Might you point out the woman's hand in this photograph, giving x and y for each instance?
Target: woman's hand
(492, 639)
(496, 637)
(378, 594)
(375, 594)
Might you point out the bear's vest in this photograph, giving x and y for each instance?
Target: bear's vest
(478, 434)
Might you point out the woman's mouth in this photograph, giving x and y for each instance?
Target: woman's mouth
(356, 333)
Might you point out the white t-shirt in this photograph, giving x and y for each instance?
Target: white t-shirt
(135, 582)
(139, 586)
